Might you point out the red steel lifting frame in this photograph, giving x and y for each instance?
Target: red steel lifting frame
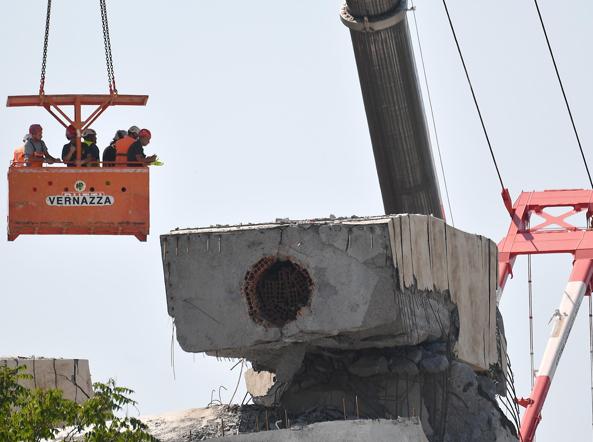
(52, 104)
(554, 235)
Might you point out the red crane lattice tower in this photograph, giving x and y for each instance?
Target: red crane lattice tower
(554, 235)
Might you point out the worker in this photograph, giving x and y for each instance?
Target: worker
(91, 151)
(122, 146)
(109, 154)
(134, 132)
(36, 150)
(69, 149)
(18, 158)
(136, 155)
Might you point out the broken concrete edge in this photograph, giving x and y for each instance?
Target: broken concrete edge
(71, 376)
(452, 261)
(279, 223)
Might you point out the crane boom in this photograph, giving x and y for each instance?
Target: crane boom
(393, 104)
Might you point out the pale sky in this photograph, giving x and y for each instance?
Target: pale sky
(257, 113)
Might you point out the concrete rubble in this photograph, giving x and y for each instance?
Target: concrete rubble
(235, 424)
(71, 376)
(380, 317)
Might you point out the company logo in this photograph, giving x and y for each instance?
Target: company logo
(80, 198)
(80, 186)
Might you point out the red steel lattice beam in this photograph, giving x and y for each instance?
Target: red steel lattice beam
(554, 235)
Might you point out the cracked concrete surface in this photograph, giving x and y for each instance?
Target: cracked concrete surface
(399, 311)
(378, 282)
(71, 376)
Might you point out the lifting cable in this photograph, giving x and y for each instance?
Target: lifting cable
(574, 127)
(576, 134)
(434, 125)
(473, 94)
(107, 42)
(45, 43)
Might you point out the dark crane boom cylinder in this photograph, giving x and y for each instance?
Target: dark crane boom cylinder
(393, 104)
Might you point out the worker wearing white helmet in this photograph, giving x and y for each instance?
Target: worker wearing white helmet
(109, 154)
(122, 146)
(133, 132)
(91, 150)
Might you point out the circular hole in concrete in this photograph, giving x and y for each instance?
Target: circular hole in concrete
(276, 290)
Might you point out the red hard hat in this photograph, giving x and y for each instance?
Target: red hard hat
(35, 128)
(145, 133)
(70, 132)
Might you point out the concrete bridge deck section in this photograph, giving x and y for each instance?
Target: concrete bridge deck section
(402, 430)
(269, 292)
(71, 376)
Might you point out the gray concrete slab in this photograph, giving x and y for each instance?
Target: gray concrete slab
(207, 424)
(71, 376)
(401, 430)
(376, 282)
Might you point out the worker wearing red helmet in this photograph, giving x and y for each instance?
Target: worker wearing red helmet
(36, 150)
(136, 155)
(69, 149)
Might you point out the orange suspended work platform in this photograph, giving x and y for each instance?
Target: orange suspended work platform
(78, 200)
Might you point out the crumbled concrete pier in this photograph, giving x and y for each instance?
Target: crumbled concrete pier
(384, 316)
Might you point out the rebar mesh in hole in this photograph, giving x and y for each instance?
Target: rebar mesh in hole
(276, 290)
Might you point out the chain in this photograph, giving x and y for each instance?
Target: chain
(107, 42)
(45, 43)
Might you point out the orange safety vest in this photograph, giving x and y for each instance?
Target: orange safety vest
(121, 150)
(18, 158)
(38, 159)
